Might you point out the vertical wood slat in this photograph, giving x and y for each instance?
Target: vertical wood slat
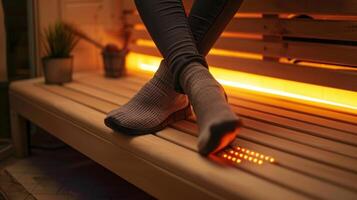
(271, 38)
(19, 134)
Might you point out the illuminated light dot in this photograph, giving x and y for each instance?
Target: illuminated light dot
(238, 148)
(252, 153)
(243, 150)
(234, 159)
(236, 153)
(247, 151)
(260, 162)
(261, 156)
(266, 157)
(255, 160)
(257, 154)
(250, 158)
(241, 155)
(224, 155)
(231, 151)
(245, 157)
(238, 161)
(229, 157)
(271, 160)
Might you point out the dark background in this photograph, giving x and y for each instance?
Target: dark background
(18, 67)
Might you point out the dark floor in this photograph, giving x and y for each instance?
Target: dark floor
(62, 173)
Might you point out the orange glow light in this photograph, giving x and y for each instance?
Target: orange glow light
(291, 90)
(235, 156)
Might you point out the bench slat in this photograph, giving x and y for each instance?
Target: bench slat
(330, 132)
(320, 142)
(304, 151)
(273, 129)
(188, 178)
(268, 173)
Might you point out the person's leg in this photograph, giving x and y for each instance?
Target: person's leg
(208, 19)
(218, 124)
(206, 34)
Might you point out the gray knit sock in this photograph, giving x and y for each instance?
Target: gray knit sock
(154, 107)
(218, 125)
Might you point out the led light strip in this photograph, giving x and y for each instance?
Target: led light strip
(238, 155)
(316, 95)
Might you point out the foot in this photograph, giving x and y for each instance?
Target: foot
(218, 124)
(154, 107)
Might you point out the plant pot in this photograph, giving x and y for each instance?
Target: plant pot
(114, 63)
(57, 70)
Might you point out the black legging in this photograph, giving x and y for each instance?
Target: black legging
(183, 40)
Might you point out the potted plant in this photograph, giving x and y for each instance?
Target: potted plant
(114, 61)
(59, 42)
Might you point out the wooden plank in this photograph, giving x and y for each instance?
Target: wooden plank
(303, 51)
(304, 151)
(292, 72)
(73, 95)
(340, 30)
(311, 129)
(19, 133)
(342, 7)
(294, 106)
(311, 189)
(269, 117)
(277, 70)
(330, 123)
(304, 28)
(299, 137)
(283, 159)
(304, 166)
(188, 179)
(251, 97)
(324, 117)
(284, 133)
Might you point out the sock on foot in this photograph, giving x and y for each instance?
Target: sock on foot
(218, 124)
(155, 106)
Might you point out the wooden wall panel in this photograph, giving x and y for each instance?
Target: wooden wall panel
(329, 39)
(100, 19)
(302, 28)
(330, 7)
(326, 77)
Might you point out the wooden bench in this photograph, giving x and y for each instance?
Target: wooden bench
(314, 145)
(315, 149)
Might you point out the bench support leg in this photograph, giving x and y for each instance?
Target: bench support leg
(19, 134)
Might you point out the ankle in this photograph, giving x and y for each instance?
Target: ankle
(193, 72)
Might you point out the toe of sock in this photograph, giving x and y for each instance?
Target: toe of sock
(218, 136)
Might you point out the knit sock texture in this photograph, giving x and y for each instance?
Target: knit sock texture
(155, 106)
(217, 123)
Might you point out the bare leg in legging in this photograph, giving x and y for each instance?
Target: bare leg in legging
(156, 103)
